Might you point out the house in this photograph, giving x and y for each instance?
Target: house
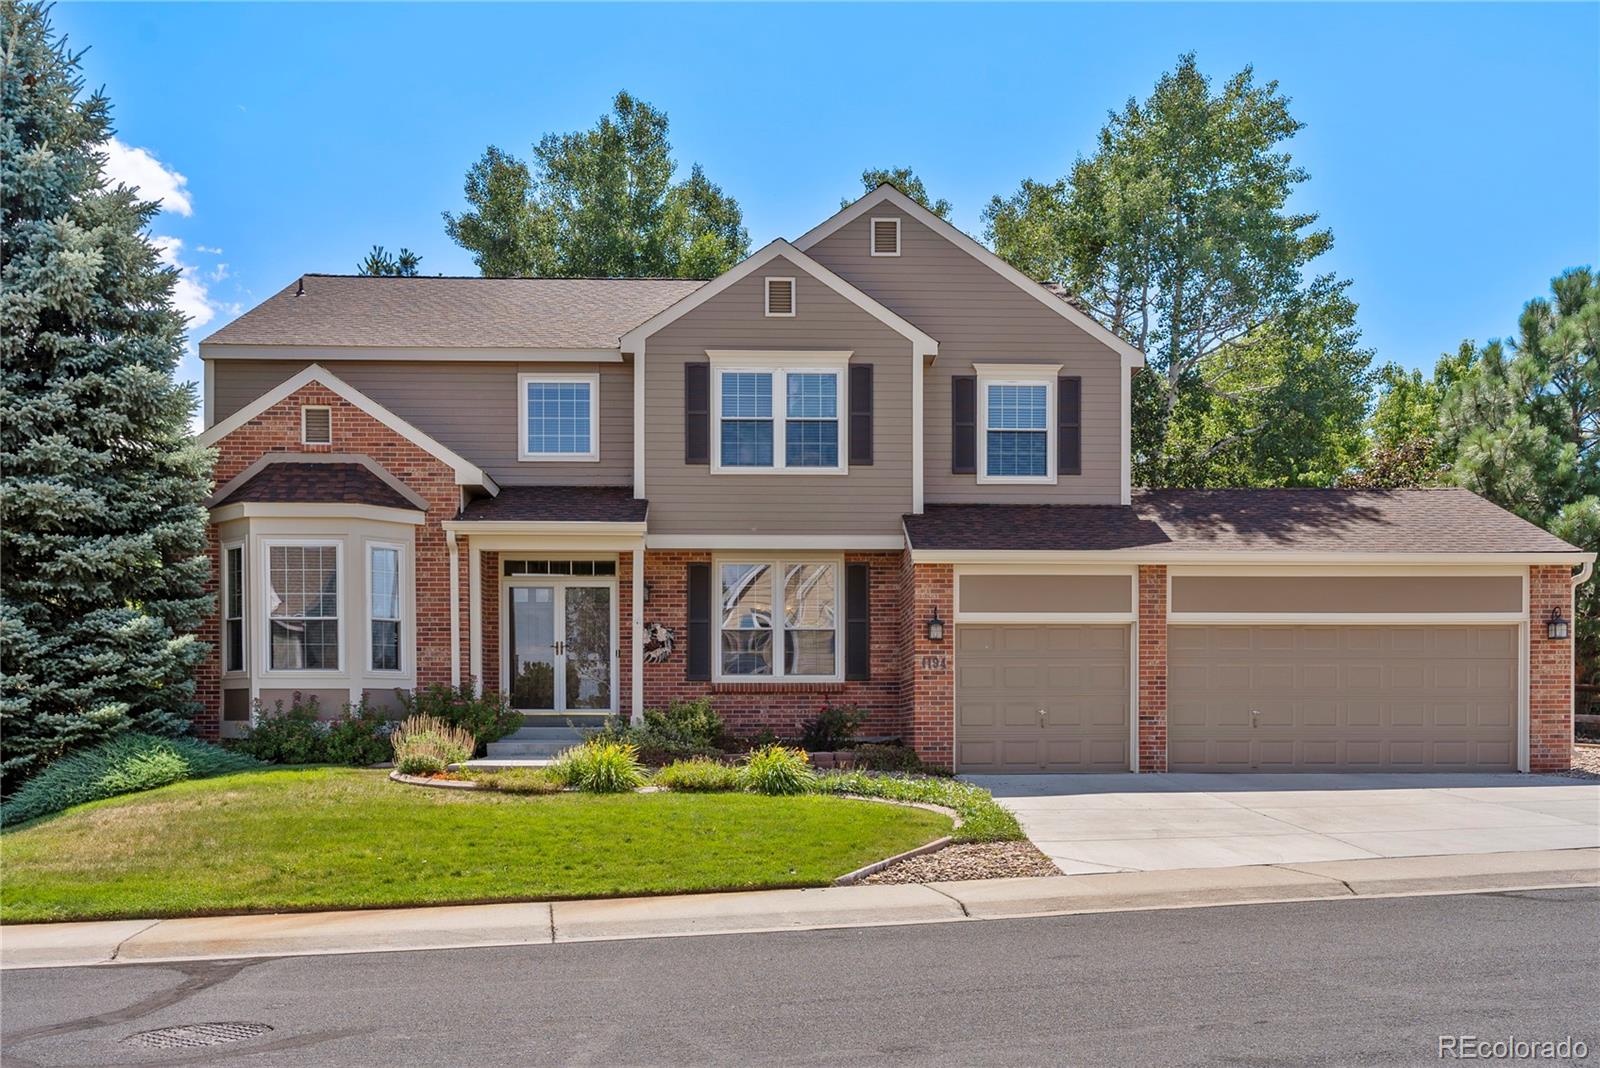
(874, 466)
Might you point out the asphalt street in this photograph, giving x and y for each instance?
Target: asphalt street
(1373, 981)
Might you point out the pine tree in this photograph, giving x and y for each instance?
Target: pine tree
(102, 527)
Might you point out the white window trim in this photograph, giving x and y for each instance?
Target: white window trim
(779, 365)
(304, 408)
(777, 565)
(794, 301)
(593, 382)
(1017, 375)
(872, 235)
(403, 604)
(267, 545)
(226, 584)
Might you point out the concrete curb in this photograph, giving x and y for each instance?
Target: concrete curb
(544, 923)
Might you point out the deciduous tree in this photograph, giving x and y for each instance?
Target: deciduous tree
(904, 180)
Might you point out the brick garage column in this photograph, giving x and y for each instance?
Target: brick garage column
(1549, 671)
(930, 679)
(1152, 668)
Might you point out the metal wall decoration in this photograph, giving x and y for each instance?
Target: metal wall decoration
(658, 643)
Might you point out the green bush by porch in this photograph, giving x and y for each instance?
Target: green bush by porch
(325, 838)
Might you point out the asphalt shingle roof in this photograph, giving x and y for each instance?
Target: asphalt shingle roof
(338, 483)
(1282, 520)
(558, 504)
(357, 310)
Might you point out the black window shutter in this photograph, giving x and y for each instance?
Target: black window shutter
(1069, 425)
(964, 424)
(697, 413)
(698, 652)
(857, 623)
(861, 415)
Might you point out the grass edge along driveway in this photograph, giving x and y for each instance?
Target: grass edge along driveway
(331, 838)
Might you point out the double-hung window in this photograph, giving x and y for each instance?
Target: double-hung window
(778, 619)
(233, 656)
(384, 606)
(560, 417)
(303, 607)
(780, 418)
(1016, 429)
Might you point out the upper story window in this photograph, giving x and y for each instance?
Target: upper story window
(780, 298)
(778, 620)
(1016, 427)
(303, 606)
(560, 416)
(886, 237)
(779, 418)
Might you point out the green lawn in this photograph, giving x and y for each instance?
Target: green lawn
(339, 838)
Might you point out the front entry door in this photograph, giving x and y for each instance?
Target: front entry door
(560, 647)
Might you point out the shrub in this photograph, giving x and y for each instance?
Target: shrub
(887, 758)
(298, 735)
(832, 728)
(777, 769)
(600, 766)
(425, 745)
(519, 781)
(699, 776)
(487, 717)
(655, 748)
(982, 819)
(125, 764)
(690, 724)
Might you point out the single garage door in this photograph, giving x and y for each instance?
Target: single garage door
(1355, 698)
(1032, 698)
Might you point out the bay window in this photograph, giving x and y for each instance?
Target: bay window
(778, 619)
(233, 658)
(383, 591)
(303, 606)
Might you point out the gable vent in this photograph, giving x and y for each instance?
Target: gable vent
(886, 237)
(780, 296)
(316, 425)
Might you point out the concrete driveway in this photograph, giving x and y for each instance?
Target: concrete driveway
(1099, 823)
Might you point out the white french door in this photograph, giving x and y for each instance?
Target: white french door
(559, 645)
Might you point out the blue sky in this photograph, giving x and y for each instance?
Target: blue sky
(1454, 150)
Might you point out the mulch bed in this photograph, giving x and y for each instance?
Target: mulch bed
(975, 860)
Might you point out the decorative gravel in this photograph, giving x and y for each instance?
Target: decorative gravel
(1585, 761)
(972, 860)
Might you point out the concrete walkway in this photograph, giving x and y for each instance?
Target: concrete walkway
(1107, 823)
(544, 923)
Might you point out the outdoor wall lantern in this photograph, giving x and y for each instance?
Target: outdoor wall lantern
(1556, 626)
(936, 628)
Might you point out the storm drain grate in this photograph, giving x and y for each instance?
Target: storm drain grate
(195, 1036)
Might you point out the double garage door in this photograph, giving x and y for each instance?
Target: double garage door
(1052, 698)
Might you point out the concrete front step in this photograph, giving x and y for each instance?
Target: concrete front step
(528, 750)
(540, 734)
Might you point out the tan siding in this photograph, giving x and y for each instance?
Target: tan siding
(1046, 593)
(1346, 593)
(977, 315)
(469, 407)
(688, 499)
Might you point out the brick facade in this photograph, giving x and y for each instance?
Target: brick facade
(1550, 674)
(930, 690)
(1152, 680)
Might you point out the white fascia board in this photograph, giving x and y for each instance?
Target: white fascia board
(1332, 619)
(215, 350)
(1131, 356)
(314, 510)
(921, 341)
(844, 542)
(467, 473)
(1265, 558)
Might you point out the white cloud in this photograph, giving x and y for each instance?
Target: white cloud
(189, 295)
(208, 250)
(137, 168)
